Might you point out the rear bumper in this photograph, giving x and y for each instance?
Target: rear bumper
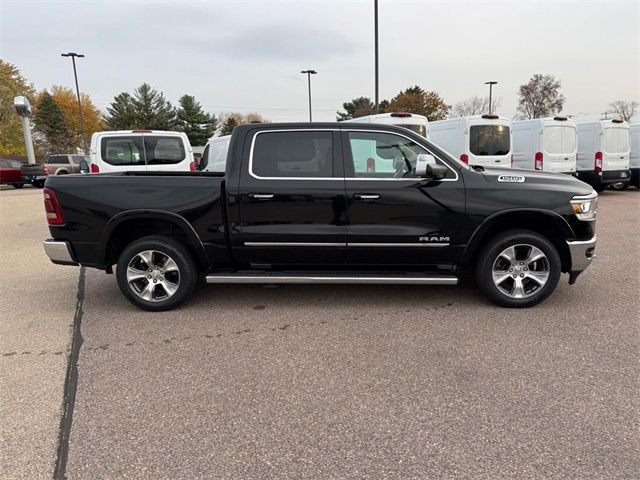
(605, 178)
(59, 252)
(582, 253)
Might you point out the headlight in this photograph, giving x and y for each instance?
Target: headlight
(585, 206)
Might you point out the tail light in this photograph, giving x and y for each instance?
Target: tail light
(539, 159)
(95, 168)
(52, 207)
(464, 158)
(46, 169)
(371, 165)
(598, 164)
(192, 166)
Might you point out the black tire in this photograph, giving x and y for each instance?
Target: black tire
(599, 188)
(490, 255)
(17, 185)
(163, 246)
(39, 183)
(63, 172)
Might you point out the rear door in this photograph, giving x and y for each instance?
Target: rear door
(615, 144)
(559, 145)
(119, 153)
(489, 144)
(394, 217)
(292, 199)
(166, 153)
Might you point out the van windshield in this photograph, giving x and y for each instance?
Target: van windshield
(487, 140)
(419, 129)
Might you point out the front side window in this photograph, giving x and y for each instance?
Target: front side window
(489, 140)
(293, 154)
(383, 155)
(163, 150)
(122, 151)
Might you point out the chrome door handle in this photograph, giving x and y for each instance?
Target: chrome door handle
(261, 196)
(366, 196)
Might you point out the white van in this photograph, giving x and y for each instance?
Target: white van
(477, 140)
(416, 123)
(141, 150)
(634, 159)
(214, 157)
(603, 153)
(548, 144)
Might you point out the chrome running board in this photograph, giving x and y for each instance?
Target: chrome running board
(330, 279)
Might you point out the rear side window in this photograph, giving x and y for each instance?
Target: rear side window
(487, 140)
(293, 154)
(57, 159)
(122, 150)
(163, 150)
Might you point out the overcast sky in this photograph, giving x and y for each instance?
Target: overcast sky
(246, 55)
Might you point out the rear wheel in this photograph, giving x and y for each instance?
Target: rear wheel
(39, 183)
(518, 268)
(599, 188)
(17, 185)
(156, 273)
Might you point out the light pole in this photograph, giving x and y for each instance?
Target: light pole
(73, 56)
(491, 84)
(309, 73)
(375, 29)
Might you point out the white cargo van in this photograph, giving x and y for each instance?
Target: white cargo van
(477, 140)
(417, 123)
(548, 144)
(141, 150)
(634, 159)
(603, 153)
(214, 157)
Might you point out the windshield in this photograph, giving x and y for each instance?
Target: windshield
(419, 129)
(488, 140)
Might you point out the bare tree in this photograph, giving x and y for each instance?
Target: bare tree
(475, 105)
(623, 109)
(540, 97)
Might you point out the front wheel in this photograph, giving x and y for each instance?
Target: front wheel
(518, 269)
(156, 273)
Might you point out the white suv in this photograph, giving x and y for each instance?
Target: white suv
(141, 150)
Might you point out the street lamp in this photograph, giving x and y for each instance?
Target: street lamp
(375, 34)
(309, 73)
(491, 84)
(73, 56)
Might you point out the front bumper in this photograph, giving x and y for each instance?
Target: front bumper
(582, 253)
(59, 252)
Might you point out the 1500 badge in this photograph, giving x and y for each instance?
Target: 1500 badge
(511, 178)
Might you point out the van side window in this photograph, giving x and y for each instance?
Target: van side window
(163, 150)
(293, 154)
(122, 150)
(383, 155)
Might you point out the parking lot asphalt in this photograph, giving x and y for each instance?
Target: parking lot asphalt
(353, 381)
(38, 304)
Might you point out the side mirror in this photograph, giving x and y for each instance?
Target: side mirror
(426, 166)
(84, 166)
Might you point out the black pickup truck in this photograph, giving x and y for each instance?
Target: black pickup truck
(325, 203)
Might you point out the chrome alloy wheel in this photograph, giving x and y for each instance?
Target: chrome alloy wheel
(520, 271)
(153, 276)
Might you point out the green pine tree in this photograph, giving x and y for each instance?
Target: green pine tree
(152, 110)
(121, 113)
(51, 133)
(192, 120)
(229, 124)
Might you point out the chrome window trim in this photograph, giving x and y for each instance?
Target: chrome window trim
(343, 178)
(253, 143)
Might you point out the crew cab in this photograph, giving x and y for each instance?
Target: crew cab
(297, 204)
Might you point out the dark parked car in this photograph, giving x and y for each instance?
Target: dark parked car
(34, 174)
(11, 173)
(326, 203)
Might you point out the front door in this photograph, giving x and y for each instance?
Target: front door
(292, 199)
(393, 217)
